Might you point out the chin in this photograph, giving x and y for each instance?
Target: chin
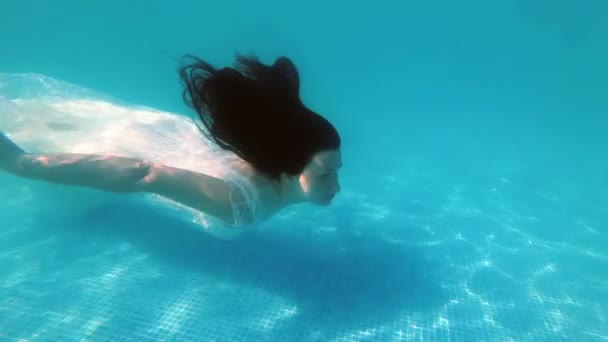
(326, 202)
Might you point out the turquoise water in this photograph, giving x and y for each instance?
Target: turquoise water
(473, 203)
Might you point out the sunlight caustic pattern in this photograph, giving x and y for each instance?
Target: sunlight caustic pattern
(444, 255)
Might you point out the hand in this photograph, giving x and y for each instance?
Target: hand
(9, 154)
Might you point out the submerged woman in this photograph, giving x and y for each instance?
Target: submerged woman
(289, 153)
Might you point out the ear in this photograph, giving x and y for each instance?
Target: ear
(288, 72)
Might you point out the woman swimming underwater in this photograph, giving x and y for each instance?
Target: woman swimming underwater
(289, 154)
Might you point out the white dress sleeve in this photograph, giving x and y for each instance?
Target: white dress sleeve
(245, 201)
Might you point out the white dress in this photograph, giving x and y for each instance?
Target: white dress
(42, 114)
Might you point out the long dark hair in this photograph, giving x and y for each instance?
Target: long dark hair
(254, 110)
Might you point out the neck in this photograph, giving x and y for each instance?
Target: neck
(289, 191)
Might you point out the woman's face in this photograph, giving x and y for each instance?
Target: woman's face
(319, 180)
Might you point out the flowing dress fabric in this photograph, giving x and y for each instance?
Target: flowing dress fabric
(44, 115)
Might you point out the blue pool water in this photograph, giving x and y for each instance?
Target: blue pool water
(474, 187)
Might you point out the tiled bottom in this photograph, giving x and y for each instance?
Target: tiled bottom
(452, 272)
(119, 294)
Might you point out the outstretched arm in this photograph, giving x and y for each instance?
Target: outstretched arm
(100, 172)
(128, 175)
(120, 174)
